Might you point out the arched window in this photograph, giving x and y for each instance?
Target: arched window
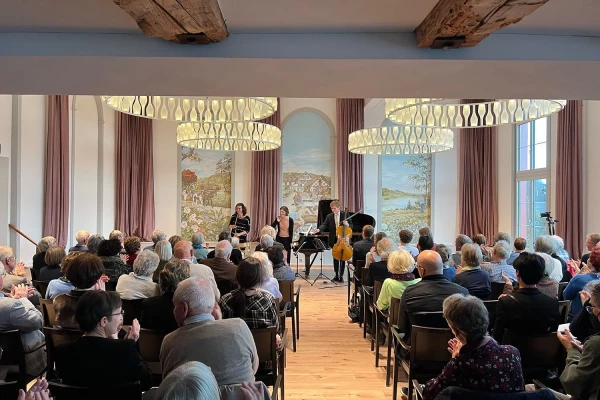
(307, 165)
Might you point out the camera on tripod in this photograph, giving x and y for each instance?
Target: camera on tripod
(545, 214)
(550, 221)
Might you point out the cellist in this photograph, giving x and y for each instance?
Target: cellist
(332, 221)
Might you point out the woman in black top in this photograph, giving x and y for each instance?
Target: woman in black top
(285, 230)
(53, 258)
(240, 223)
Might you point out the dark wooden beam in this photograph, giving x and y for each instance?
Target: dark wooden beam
(472, 19)
(170, 18)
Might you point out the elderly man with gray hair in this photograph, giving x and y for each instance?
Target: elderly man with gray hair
(82, 238)
(469, 274)
(499, 266)
(221, 266)
(225, 345)
(506, 237)
(458, 244)
(138, 284)
(157, 236)
(183, 250)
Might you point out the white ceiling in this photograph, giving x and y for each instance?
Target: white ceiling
(557, 17)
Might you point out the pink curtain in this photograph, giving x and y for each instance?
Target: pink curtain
(56, 191)
(569, 184)
(134, 176)
(477, 186)
(350, 117)
(266, 183)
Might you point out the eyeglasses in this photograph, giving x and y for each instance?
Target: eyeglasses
(590, 309)
(122, 312)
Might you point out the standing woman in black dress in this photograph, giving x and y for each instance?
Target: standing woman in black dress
(285, 230)
(240, 223)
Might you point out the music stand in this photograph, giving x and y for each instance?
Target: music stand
(297, 263)
(319, 244)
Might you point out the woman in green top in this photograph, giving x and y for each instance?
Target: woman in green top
(401, 265)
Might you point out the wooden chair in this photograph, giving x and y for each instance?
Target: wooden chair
(357, 281)
(431, 319)
(497, 289)
(561, 288)
(110, 286)
(55, 337)
(149, 344)
(428, 355)
(132, 309)
(41, 287)
(458, 393)
(564, 306)
(539, 353)
(367, 295)
(491, 306)
(9, 390)
(61, 391)
(289, 296)
(13, 353)
(234, 392)
(48, 313)
(265, 340)
(386, 324)
(224, 285)
(371, 306)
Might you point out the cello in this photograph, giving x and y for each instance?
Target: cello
(342, 250)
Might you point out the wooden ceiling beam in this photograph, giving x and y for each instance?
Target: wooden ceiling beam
(170, 18)
(472, 19)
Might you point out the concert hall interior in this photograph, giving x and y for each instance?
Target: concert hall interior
(143, 117)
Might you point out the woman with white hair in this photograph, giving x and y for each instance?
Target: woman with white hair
(200, 252)
(401, 265)
(190, 381)
(269, 283)
(545, 246)
(38, 260)
(165, 252)
(138, 284)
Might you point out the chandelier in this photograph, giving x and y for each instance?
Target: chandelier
(195, 109)
(229, 136)
(400, 140)
(451, 113)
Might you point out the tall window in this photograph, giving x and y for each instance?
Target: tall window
(532, 175)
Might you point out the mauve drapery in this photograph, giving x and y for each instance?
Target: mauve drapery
(266, 183)
(477, 183)
(569, 184)
(56, 172)
(350, 117)
(134, 176)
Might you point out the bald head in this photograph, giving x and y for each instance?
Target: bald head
(183, 250)
(431, 262)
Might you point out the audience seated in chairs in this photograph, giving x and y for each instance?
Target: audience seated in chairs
(481, 241)
(52, 270)
(255, 306)
(13, 272)
(224, 345)
(581, 376)
(448, 271)
(281, 271)
(157, 312)
(373, 255)
(165, 253)
(85, 272)
(94, 243)
(506, 237)
(406, 237)
(527, 311)
(200, 252)
(585, 324)
(545, 246)
(361, 248)
(378, 269)
(591, 241)
(458, 244)
(236, 255)
(220, 265)
(62, 285)
(498, 266)
(132, 246)
(578, 282)
(562, 256)
(469, 274)
(39, 259)
(114, 266)
(478, 362)
(429, 294)
(157, 236)
(269, 283)
(183, 250)
(17, 312)
(99, 358)
(269, 231)
(401, 265)
(138, 284)
(425, 243)
(81, 237)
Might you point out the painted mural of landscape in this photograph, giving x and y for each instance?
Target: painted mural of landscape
(205, 192)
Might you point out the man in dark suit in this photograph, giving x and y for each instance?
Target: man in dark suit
(527, 311)
(429, 294)
(378, 270)
(222, 268)
(332, 221)
(362, 247)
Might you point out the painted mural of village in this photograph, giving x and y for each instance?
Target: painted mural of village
(302, 192)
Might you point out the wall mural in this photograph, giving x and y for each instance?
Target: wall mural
(405, 194)
(306, 157)
(205, 192)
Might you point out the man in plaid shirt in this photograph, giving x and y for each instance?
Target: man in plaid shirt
(498, 266)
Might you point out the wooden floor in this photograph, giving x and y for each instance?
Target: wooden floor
(332, 361)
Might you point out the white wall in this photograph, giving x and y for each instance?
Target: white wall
(591, 165)
(5, 137)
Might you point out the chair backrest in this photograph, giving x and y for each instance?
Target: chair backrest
(9, 390)
(543, 352)
(61, 391)
(265, 340)
(561, 288)
(287, 290)
(149, 344)
(224, 285)
(491, 306)
(564, 306)
(376, 290)
(41, 286)
(458, 393)
(132, 309)
(429, 350)
(497, 289)
(35, 273)
(11, 350)
(110, 286)
(394, 311)
(431, 319)
(359, 266)
(55, 337)
(48, 313)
